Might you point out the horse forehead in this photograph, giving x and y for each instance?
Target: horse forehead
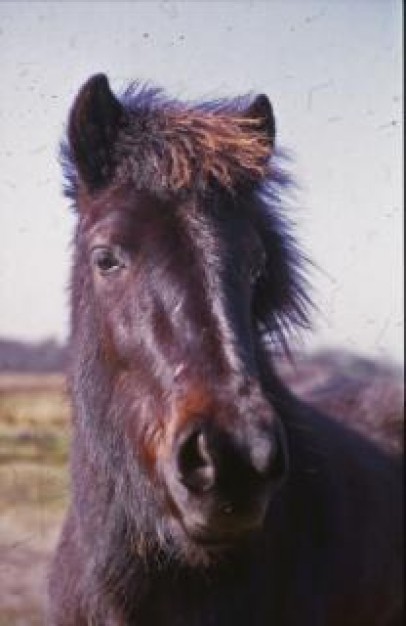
(127, 212)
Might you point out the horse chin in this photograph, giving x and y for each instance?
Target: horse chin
(203, 547)
(207, 554)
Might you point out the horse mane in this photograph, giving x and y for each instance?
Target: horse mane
(167, 146)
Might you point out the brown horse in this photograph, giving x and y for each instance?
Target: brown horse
(204, 493)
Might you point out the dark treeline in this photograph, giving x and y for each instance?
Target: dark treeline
(43, 357)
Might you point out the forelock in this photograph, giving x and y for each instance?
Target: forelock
(174, 147)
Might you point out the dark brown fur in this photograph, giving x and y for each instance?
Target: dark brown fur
(184, 269)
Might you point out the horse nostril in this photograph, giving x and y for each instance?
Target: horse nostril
(195, 463)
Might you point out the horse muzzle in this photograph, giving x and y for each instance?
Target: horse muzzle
(220, 481)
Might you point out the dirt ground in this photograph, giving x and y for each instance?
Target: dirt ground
(28, 539)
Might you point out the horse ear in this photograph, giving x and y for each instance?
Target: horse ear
(93, 126)
(262, 110)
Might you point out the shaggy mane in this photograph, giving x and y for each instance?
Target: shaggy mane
(167, 146)
(191, 148)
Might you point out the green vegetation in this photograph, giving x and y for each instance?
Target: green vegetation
(33, 423)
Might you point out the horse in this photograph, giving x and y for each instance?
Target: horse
(204, 493)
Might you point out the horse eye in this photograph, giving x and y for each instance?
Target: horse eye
(106, 260)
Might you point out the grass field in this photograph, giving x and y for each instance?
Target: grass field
(34, 442)
(34, 439)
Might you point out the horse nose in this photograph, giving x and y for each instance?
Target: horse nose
(229, 464)
(196, 463)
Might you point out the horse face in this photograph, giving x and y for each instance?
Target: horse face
(172, 284)
(176, 263)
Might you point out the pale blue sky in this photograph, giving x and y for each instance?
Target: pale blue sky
(332, 69)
